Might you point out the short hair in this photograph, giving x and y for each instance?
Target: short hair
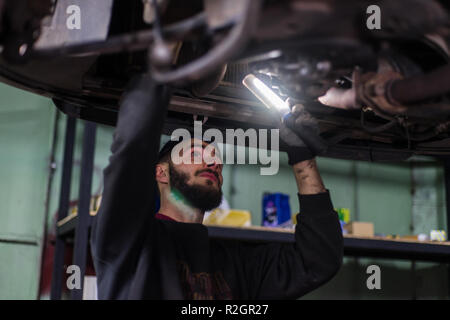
(164, 153)
(166, 150)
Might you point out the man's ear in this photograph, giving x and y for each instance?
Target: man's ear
(161, 173)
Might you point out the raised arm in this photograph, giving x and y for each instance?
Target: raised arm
(288, 271)
(308, 177)
(127, 206)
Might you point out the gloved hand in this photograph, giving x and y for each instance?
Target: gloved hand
(300, 131)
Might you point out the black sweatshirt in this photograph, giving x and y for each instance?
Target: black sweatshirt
(137, 256)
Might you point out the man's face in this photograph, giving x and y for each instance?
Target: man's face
(200, 182)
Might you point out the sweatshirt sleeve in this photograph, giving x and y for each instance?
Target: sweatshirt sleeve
(129, 179)
(288, 271)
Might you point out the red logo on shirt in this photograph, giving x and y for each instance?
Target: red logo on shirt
(203, 285)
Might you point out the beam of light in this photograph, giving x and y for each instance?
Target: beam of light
(266, 95)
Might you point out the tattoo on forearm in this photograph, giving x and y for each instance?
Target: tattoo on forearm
(311, 164)
(308, 177)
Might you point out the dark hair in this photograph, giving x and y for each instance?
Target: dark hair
(164, 153)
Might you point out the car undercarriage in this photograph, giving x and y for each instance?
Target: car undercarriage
(379, 93)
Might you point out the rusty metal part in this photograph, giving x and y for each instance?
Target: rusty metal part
(369, 90)
(421, 87)
(388, 93)
(372, 91)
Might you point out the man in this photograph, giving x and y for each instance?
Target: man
(140, 255)
(190, 188)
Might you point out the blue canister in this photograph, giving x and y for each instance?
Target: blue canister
(276, 209)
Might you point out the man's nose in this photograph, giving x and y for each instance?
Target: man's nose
(212, 161)
(214, 165)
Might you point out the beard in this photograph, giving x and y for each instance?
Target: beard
(201, 197)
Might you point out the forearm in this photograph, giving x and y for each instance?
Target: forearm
(130, 172)
(308, 177)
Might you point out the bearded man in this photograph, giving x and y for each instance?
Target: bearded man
(168, 255)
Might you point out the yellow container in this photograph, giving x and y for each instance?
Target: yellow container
(232, 218)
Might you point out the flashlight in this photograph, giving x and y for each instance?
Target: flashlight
(266, 95)
(274, 103)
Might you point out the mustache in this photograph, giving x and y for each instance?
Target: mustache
(209, 171)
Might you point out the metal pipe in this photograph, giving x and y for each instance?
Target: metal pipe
(80, 250)
(63, 208)
(397, 95)
(381, 128)
(420, 87)
(128, 42)
(51, 174)
(218, 55)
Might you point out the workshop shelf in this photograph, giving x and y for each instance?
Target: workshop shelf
(375, 247)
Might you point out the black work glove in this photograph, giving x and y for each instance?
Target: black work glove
(300, 131)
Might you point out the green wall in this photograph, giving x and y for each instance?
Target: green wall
(402, 198)
(26, 122)
(399, 198)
